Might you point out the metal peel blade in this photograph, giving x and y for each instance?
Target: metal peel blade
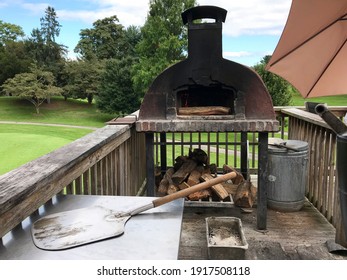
(77, 227)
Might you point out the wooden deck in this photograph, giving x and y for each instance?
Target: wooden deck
(289, 236)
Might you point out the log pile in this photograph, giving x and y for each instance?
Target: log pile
(195, 168)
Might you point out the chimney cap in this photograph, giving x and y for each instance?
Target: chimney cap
(200, 12)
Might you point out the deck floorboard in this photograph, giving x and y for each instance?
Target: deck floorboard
(292, 235)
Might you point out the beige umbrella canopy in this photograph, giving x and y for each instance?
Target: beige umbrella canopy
(312, 51)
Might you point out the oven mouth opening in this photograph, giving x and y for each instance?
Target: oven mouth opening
(214, 102)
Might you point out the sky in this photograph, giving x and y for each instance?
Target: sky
(251, 31)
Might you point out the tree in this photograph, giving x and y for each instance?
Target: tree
(14, 59)
(164, 40)
(35, 86)
(83, 79)
(50, 27)
(277, 87)
(48, 54)
(107, 42)
(104, 41)
(10, 32)
(116, 93)
(132, 36)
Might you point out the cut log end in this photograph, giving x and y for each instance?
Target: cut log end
(245, 195)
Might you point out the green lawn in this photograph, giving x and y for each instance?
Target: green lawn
(59, 111)
(338, 100)
(23, 143)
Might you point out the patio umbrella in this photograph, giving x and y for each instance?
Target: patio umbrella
(312, 51)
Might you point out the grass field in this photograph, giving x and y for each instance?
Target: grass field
(59, 111)
(338, 100)
(23, 143)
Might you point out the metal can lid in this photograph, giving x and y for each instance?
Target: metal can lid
(288, 146)
(297, 144)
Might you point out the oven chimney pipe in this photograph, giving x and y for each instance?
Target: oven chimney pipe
(205, 50)
(204, 38)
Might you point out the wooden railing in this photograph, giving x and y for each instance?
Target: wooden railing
(322, 185)
(109, 161)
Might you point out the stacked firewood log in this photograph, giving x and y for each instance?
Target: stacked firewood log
(195, 168)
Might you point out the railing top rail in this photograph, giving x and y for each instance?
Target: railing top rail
(41, 172)
(306, 116)
(339, 111)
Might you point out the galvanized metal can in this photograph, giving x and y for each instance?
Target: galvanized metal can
(287, 177)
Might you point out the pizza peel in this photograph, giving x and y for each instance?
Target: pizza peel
(77, 227)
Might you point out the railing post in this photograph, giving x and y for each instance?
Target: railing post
(244, 155)
(150, 164)
(163, 151)
(262, 180)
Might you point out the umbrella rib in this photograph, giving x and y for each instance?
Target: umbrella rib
(309, 39)
(325, 69)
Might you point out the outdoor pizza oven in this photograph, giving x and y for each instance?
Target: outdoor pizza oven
(206, 92)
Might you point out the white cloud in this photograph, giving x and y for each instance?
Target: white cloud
(265, 17)
(37, 8)
(244, 17)
(128, 12)
(89, 17)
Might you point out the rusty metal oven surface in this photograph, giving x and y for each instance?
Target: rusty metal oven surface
(154, 234)
(233, 95)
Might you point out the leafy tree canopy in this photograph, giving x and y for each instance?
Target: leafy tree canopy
(133, 37)
(10, 32)
(42, 45)
(164, 40)
(14, 59)
(35, 86)
(116, 94)
(277, 86)
(83, 78)
(50, 27)
(105, 40)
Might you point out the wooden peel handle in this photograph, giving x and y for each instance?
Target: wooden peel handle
(183, 193)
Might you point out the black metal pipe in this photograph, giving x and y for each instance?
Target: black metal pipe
(334, 122)
(341, 166)
(341, 157)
